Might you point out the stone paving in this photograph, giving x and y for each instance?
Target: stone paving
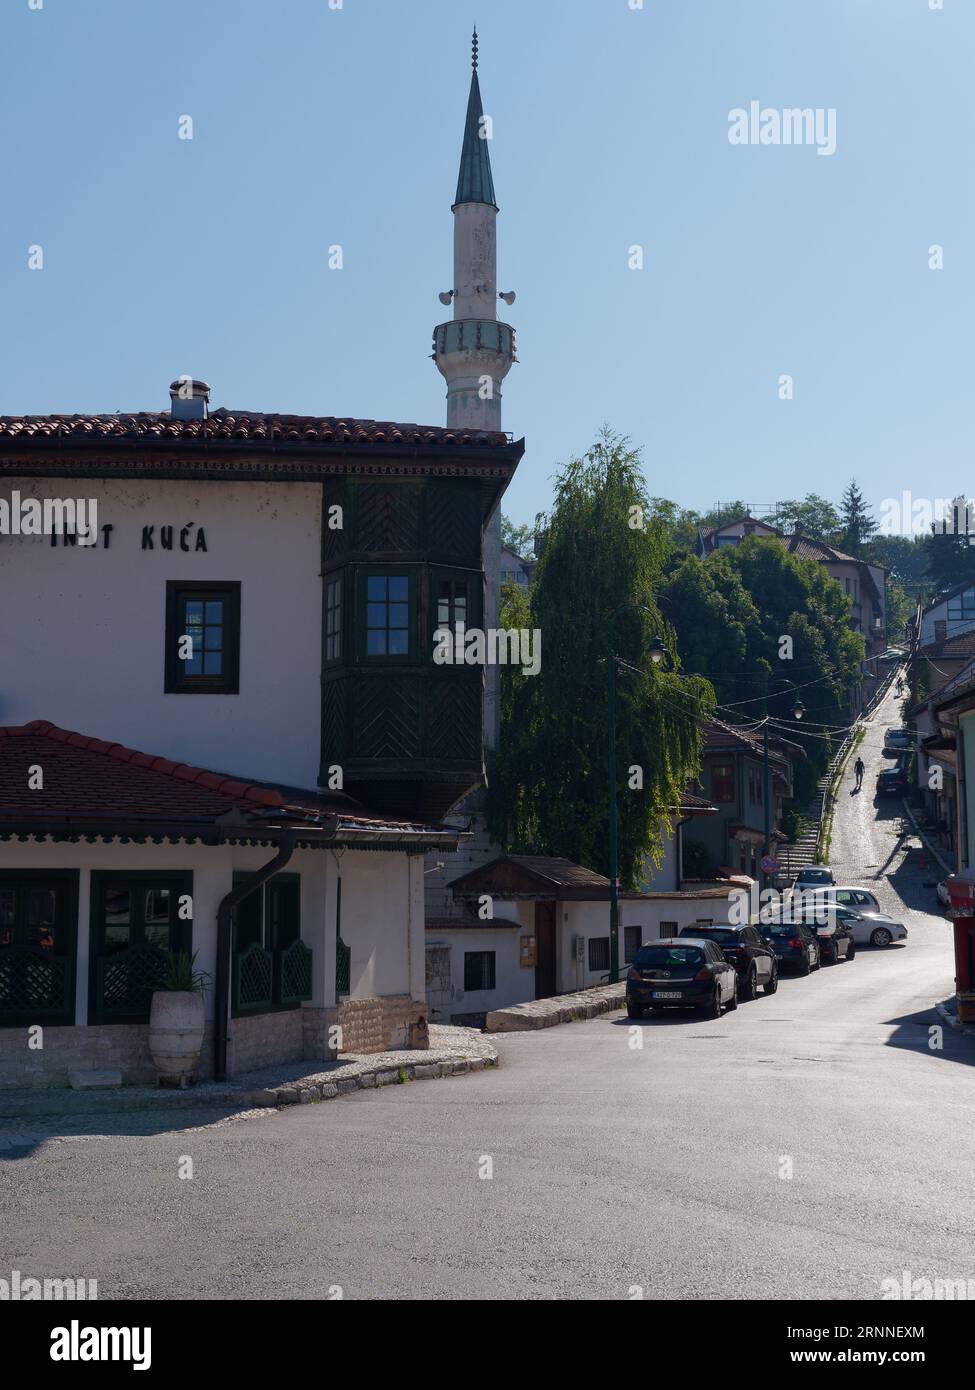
(28, 1118)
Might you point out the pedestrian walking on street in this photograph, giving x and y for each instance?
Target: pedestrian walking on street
(859, 769)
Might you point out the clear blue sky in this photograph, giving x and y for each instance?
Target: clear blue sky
(315, 126)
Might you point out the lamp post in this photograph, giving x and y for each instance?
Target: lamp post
(656, 650)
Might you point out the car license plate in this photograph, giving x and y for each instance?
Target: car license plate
(666, 994)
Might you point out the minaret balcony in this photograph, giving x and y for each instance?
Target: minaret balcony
(473, 335)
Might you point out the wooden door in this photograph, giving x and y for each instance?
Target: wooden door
(545, 950)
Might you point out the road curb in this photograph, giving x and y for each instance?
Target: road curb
(340, 1080)
(565, 1008)
(952, 1021)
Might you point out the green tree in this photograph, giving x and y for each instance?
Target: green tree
(594, 593)
(856, 521)
(814, 516)
(520, 539)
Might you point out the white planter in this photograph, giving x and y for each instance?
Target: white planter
(176, 1034)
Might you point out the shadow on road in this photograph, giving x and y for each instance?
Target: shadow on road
(26, 1133)
(913, 1034)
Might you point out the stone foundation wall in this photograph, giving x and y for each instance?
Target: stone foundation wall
(261, 1040)
(371, 1025)
(120, 1047)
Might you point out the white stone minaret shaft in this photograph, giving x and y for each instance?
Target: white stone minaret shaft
(474, 351)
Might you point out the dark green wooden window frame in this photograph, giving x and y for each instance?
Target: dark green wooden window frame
(598, 947)
(178, 881)
(473, 582)
(178, 593)
(363, 575)
(630, 947)
(332, 619)
(478, 966)
(68, 879)
(272, 938)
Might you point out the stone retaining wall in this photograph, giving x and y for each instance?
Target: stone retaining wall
(256, 1040)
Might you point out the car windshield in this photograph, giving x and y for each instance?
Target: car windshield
(724, 936)
(668, 956)
(815, 876)
(777, 929)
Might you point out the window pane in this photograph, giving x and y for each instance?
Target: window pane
(376, 586)
(399, 588)
(398, 642)
(214, 610)
(375, 615)
(443, 612)
(398, 615)
(40, 918)
(7, 905)
(194, 611)
(118, 904)
(213, 641)
(193, 666)
(376, 644)
(158, 904)
(212, 663)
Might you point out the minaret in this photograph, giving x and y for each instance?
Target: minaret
(474, 352)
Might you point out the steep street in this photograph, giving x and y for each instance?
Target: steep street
(660, 1167)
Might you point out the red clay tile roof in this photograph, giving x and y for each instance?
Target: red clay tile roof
(88, 781)
(241, 427)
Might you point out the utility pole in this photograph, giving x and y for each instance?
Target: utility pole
(614, 903)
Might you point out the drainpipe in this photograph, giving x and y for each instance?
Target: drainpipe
(225, 918)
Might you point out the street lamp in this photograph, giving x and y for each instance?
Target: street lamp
(657, 651)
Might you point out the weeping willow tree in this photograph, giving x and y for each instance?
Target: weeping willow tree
(593, 595)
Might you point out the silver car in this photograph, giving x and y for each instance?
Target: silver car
(870, 925)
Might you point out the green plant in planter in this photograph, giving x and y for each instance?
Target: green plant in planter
(179, 974)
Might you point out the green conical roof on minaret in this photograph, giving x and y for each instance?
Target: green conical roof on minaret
(474, 182)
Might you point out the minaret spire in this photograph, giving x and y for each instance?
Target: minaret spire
(474, 352)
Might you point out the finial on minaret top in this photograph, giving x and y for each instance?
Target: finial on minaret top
(474, 50)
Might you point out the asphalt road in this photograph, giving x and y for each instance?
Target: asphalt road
(810, 1145)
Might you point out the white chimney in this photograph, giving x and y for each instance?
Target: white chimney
(188, 399)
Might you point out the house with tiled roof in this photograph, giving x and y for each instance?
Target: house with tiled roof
(223, 730)
(733, 780)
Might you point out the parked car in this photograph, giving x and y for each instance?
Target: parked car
(816, 876)
(748, 951)
(897, 741)
(835, 939)
(875, 927)
(892, 781)
(794, 943)
(685, 973)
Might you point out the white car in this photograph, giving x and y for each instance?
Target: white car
(816, 876)
(870, 925)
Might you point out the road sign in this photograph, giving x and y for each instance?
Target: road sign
(769, 865)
